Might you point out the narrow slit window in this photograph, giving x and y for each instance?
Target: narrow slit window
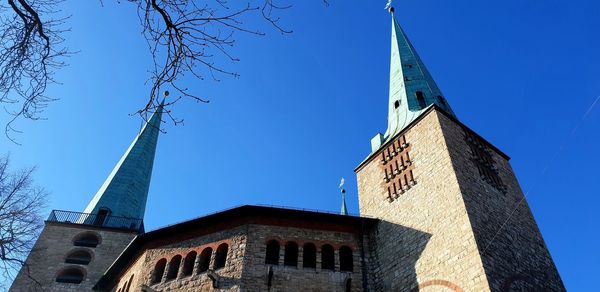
(188, 264)
(421, 99)
(204, 261)
(272, 256)
(291, 254)
(346, 259)
(309, 256)
(221, 256)
(173, 267)
(327, 257)
(159, 270)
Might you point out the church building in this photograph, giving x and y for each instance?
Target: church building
(440, 210)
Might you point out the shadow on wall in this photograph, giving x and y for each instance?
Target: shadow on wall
(394, 251)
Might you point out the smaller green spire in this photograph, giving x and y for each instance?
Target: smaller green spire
(344, 210)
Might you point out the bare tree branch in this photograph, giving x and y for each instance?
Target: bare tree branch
(185, 38)
(29, 53)
(21, 203)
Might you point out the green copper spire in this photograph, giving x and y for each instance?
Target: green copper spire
(344, 210)
(125, 191)
(412, 89)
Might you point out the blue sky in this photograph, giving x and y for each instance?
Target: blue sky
(300, 116)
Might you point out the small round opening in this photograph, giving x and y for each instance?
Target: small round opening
(396, 104)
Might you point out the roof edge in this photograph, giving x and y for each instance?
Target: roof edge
(433, 107)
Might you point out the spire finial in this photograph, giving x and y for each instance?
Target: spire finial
(344, 210)
(389, 7)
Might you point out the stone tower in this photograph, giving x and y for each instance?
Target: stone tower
(74, 249)
(453, 214)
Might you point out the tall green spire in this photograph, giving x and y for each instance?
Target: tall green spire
(125, 191)
(412, 89)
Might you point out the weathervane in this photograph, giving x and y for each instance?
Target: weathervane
(389, 7)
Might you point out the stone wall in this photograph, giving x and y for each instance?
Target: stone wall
(245, 268)
(47, 258)
(299, 278)
(514, 255)
(443, 231)
(426, 237)
(229, 277)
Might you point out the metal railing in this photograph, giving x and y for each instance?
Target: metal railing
(100, 220)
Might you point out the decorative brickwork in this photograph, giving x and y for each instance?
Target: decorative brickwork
(397, 168)
(482, 157)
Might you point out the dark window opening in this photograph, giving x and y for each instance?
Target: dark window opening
(70, 275)
(101, 216)
(80, 257)
(272, 256)
(396, 104)
(421, 99)
(327, 257)
(173, 267)
(159, 270)
(188, 264)
(346, 259)
(348, 285)
(87, 240)
(221, 256)
(290, 257)
(204, 262)
(309, 256)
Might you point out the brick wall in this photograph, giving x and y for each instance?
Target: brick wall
(433, 234)
(299, 278)
(47, 257)
(515, 256)
(245, 268)
(426, 235)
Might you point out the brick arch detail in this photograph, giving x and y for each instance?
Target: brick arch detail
(437, 282)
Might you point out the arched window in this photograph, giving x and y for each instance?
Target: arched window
(204, 260)
(327, 257)
(421, 99)
(346, 259)
(128, 284)
(272, 257)
(87, 239)
(309, 256)
(221, 256)
(290, 257)
(79, 256)
(159, 270)
(71, 275)
(188, 264)
(174, 267)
